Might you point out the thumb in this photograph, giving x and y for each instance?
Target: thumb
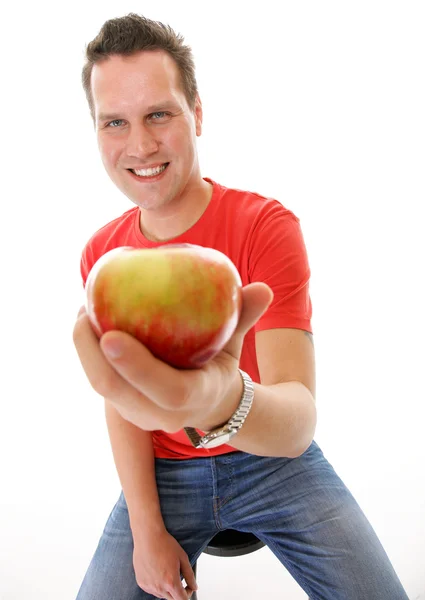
(256, 298)
(188, 573)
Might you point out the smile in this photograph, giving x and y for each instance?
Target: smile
(149, 172)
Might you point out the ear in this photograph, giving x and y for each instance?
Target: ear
(198, 115)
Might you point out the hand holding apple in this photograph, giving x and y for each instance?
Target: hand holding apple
(156, 396)
(181, 301)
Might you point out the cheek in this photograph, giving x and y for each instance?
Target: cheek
(108, 148)
(109, 151)
(181, 139)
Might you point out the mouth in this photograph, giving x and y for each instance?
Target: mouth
(151, 174)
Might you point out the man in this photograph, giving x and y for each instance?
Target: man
(269, 477)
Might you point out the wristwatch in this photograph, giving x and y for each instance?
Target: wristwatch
(225, 432)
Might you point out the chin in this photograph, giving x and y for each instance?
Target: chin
(149, 203)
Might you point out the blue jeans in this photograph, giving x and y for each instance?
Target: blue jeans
(298, 507)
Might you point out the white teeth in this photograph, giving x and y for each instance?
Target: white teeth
(149, 172)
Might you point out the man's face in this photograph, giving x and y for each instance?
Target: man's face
(144, 124)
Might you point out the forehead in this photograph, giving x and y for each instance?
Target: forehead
(141, 79)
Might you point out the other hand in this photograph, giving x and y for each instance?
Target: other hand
(158, 562)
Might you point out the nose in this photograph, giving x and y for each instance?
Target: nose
(141, 142)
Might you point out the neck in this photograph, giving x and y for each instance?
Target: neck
(178, 216)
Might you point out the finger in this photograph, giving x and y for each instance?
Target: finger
(81, 311)
(102, 376)
(160, 382)
(177, 591)
(188, 574)
(256, 298)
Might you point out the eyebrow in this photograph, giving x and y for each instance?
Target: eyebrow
(150, 109)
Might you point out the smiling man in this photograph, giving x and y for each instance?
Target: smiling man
(256, 470)
(147, 132)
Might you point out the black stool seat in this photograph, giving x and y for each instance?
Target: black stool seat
(231, 542)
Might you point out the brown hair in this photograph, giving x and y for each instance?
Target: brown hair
(131, 34)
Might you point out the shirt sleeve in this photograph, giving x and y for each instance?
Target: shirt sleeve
(86, 263)
(278, 257)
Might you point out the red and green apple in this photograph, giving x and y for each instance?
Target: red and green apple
(182, 301)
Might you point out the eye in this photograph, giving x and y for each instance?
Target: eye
(160, 115)
(114, 123)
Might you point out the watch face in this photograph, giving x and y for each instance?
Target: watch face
(217, 440)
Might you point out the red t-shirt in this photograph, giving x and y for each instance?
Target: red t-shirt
(264, 241)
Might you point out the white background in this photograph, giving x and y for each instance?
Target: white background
(320, 105)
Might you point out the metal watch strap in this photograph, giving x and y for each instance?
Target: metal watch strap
(237, 419)
(193, 436)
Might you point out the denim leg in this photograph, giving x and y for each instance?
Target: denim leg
(186, 496)
(185, 492)
(304, 513)
(110, 574)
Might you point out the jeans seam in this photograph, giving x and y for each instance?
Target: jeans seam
(229, 464)
(231, 495)
(215, 498)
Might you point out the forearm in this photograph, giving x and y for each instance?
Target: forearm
(134, 459)
(281, 422)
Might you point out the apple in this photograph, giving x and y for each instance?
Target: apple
(181, 301)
